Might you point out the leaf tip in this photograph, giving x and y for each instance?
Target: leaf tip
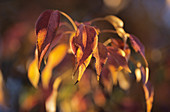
(76, 82)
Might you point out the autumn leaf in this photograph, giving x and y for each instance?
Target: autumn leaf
(115, 21)
(55, 57)
(100, 54)
(137, 45)
(33, 72)
(149, 94)
(63, 32)
(116, 59)
(46, 27)
(83, 67)
(118, 43)
(51, 103)
(83, 43)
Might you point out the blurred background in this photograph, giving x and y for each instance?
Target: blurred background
(149, 20)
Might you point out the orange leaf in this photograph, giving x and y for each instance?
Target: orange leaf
(83, 67)
(46, 28)
(116, 59)
(118, 43)
(33, 72)
(83, 43)
(55, 57)
(100, 53)
(149, 94)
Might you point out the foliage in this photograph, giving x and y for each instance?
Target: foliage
(56, 40)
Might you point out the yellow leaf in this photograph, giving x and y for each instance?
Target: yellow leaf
(115, 21)
(147, 74)
(138, 74)
(121, 32)
(123, 81)
(114, 73)
(83, 67)
(55, 57)
(33, 72)
(50, 103)
(149, 97)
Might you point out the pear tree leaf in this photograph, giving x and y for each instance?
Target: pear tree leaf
(54, 58)
(100, 54)
(83, 43)
(46, 27)
(33, 72)
(116, 59)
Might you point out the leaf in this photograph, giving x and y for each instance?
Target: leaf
(83, 67)
(100, 53)
(83, 43)
(55, 57)
(114, 74)
(33, 72)
(137, 45)
(115, 21)
(138, 73)
(46, 27)
(116, 59)
(145, 74)
(118, 43)
(61, 34)
(123, 80)
(149, 94)
(51, 103)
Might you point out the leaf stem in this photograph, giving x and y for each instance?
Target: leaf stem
(70, 19)
(97, 19)
(107, 42)
(108, 31)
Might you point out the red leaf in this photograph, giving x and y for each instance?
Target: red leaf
(101, 56)
(118, 43)
(83, 43)
(61, 35)
(137, 45)
(46, 28)
(116, 59)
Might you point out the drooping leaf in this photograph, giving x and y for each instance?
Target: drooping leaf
(61, 35)
(118, 43)
(138, 73)
(33, 72)
(149, 94)
(55, 57)
(83, 43)
(114, 74)
(137, 45)
(83, 67)
(46, 28)
(100, 54)
(145, 74)
(123, 80)
(116, 59)
(51, 102)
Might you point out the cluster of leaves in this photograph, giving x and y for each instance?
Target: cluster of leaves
(112, 55)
